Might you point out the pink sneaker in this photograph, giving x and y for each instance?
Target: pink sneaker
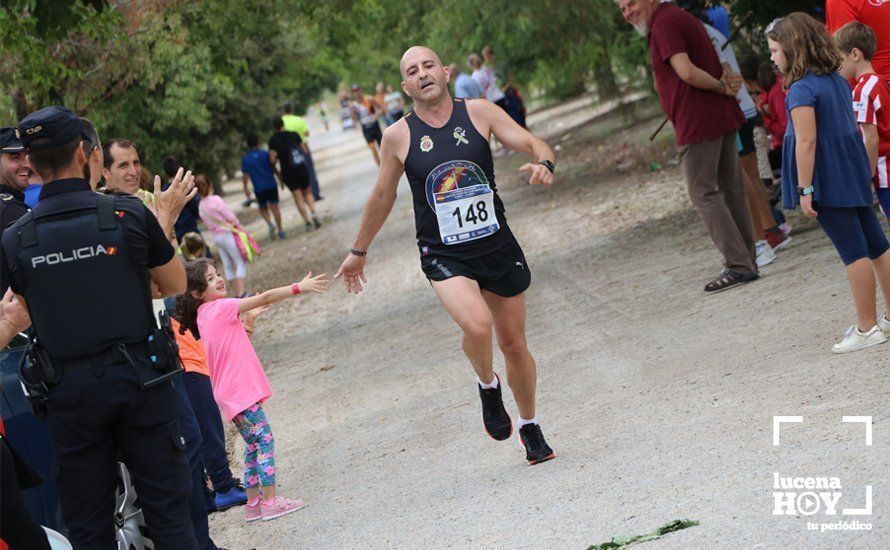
(280, 506)
(253, 510)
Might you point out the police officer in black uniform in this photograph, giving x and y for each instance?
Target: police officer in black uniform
(82, 263)
(12, 189)
(12, 195)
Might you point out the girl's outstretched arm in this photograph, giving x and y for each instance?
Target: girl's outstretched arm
(318, 284)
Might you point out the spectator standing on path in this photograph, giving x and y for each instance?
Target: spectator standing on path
(464, 85)
(121, 174)
(227, 491)
(825, 167)
(513, 103)
(96, 326)
(294, 123)
(14, 173)
(220, 221)
(871, 102)
(14, 170)
(256, 167)
(288, 150)
(700, 102)
(718, 17)
(395, 105)
(875, 14)
(768, 236)
(762, 78)
(240, 385)
(484, 77)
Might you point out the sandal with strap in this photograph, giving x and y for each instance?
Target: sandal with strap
(729, 279)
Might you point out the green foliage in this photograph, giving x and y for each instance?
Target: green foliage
(553, 46)
(763, 13)
(191, 78)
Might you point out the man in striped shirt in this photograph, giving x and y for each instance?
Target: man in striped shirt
(871, 101)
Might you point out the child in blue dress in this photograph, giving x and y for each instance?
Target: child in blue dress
(825, 167)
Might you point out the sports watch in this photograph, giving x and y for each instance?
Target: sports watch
(549, 164)
(802, 191)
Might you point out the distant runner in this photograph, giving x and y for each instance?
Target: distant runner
(468, 252)
(288, 150)
(366, 112)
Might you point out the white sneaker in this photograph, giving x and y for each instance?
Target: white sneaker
(884, 322)
(765, 254)
(855, 339)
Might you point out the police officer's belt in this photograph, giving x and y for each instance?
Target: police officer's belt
(111, 356)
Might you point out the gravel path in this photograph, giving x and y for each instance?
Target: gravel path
(657, 398)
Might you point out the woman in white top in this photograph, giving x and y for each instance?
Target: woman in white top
(484, 76)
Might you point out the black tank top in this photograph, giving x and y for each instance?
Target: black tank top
(450, 171)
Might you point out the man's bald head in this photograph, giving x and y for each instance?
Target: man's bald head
(415, 55)
(424, 78)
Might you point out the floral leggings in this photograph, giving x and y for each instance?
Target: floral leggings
(259, 455)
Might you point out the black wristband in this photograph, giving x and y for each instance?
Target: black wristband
(358, 252)
(548, 164)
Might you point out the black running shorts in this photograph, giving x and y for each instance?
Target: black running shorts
(296, 179)
(267, 197)
(372, 133)
(502, 272)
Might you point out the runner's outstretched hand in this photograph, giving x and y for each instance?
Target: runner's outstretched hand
(317, 284)
(353, 272)
(539, 173)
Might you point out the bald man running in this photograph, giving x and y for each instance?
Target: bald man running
(467, 251)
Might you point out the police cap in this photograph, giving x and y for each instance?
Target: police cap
(50, 127)
(9, 143)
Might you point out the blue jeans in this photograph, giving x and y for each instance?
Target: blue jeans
(213, 451)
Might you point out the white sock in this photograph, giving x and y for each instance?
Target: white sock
(523, 422)
(493, 385)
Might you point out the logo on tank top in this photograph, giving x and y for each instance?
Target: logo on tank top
(426, 144)
(452, 175)
(461, 136)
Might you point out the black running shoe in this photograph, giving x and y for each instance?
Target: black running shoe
(536, 449)
(494, 416)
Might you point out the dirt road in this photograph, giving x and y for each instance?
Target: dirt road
(657, 398)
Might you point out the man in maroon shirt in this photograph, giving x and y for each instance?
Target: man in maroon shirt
(699, 99)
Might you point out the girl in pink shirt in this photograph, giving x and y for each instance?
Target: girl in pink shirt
(220, 220)
(239, 383)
